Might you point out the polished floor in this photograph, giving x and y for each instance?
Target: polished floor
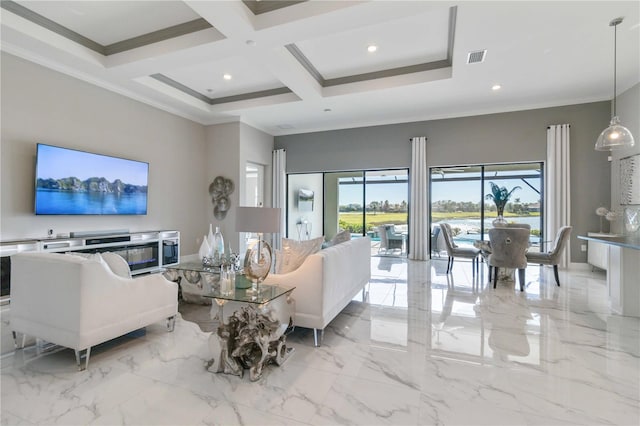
(423, 348)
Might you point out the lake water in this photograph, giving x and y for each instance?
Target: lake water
(70, 202)
(470, 228)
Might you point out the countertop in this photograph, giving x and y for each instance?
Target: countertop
(621, 241)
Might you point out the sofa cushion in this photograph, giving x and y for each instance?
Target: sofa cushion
(294, 253)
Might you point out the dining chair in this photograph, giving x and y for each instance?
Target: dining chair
(453, 250)
(552, 257)
(508, 250)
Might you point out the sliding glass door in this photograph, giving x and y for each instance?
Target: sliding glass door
(458, 197)
(366, 200)
(359, 201)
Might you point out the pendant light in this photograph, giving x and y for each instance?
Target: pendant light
(615, 136)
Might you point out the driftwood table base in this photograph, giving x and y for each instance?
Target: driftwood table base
(251, 338)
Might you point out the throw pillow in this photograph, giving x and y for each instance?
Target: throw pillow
(295, 252)
(89, 256)
(341, 237)
(117, 264)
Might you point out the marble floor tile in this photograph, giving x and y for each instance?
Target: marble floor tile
(420, 347)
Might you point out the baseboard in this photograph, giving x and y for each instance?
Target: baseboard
(579, 266)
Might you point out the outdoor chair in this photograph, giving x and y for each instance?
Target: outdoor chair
(434, 241)
(389, 239)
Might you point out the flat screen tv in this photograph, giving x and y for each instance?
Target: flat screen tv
(70, 182)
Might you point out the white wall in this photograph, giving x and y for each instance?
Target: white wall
(312, 181)
(41, 105)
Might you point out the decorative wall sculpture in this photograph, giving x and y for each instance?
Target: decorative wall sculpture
(630, 180)
(220, 190)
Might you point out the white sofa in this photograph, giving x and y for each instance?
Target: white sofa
(326, 282)
(78, 302)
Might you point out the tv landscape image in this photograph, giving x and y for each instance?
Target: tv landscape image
(71, 182)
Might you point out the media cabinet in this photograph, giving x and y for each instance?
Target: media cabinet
(146, 252)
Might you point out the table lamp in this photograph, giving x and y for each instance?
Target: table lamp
(261, 220)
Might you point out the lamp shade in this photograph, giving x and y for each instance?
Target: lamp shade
(258, 219)
(615, 136)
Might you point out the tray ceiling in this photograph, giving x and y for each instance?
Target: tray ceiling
(299, 66)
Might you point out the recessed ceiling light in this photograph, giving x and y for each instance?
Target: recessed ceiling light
(372, 48)
(251, 42)
(496, 87)
(227, 77)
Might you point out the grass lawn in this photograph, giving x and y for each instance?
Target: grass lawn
(379, 218)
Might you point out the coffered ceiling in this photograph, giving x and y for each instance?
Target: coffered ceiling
(298, 66)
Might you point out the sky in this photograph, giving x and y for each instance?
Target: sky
(57, 163)
(393, 192)
(470, 191)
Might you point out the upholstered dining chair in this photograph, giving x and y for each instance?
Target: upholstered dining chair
(454, 251)
(552, 257)
(508, 250)
(517, 225)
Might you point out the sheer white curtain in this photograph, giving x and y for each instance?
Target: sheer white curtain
(279, 192)
(558, 185)
(418, 210)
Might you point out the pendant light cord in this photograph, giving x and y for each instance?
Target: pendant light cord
(615, 61)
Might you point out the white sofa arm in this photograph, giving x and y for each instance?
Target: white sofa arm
(108, 298)
(307, 280)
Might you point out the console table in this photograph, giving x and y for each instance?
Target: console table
(623, 270)
(254, 335)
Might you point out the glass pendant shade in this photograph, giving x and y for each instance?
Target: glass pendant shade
(615, 136)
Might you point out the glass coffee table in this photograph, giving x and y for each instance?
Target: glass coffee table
(254, 334)
(194, 280)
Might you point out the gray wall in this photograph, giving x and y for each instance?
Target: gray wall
(628, 109)
(229, 147)
(40, 105)
(493, 138)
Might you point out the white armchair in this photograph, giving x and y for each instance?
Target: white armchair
(79, 302)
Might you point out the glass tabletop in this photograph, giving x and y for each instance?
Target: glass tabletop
(195, 266)
(267, 293)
